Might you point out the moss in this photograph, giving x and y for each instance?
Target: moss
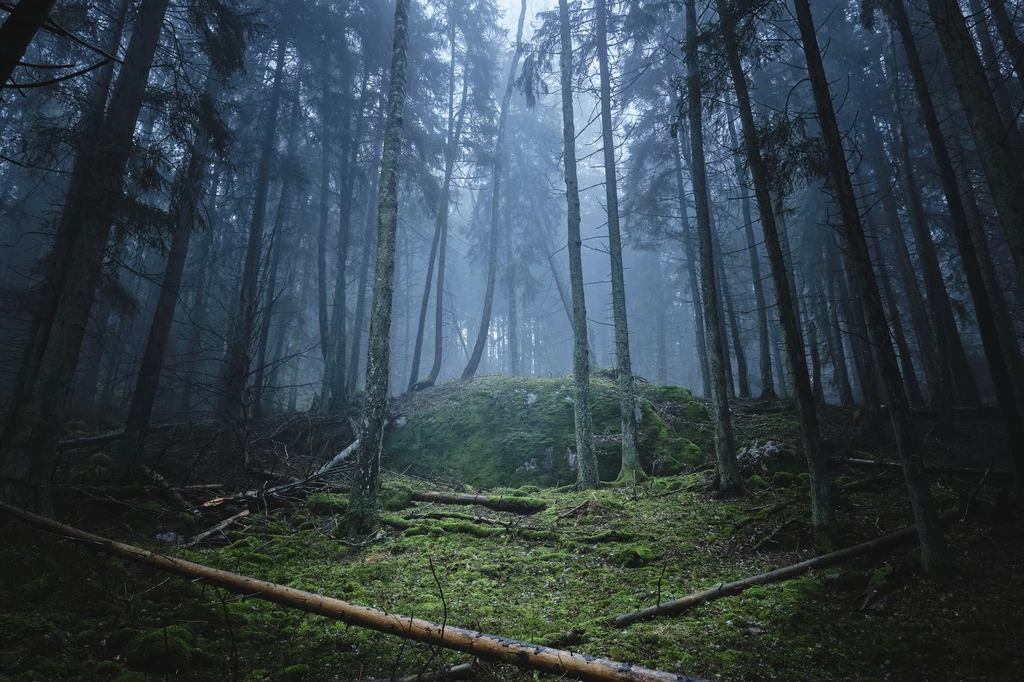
(163, 650)
(756, 482)
(784, 479)
(391, 499)
(610, 535)
(293, 673)
(327, 503)
(634, 556)
(131, 677)
(695, 411)
(512, 431)
(109, 669)
(509, 503)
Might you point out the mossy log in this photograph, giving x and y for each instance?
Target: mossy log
(487, 647)
(519, 505)
(678, 606)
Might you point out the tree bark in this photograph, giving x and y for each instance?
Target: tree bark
(935, 557)
(821, 504)
(33, 426)
(17, 31)
(363, 508)
(492, 251)
(729, 482)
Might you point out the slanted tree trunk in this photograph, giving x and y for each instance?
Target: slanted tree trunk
(997, 81)
(821, 504)
(764, 348)
(842, 373)
(729, 482)
(363, 508)
(33, 426)
(586, 457)
(623, 363)
(742, 380)
(237, 355)
(1005, 178)
(492, 250)
(185, 200)
(18, 30)
(1008, 34)
(1000, 370)
(935, 557)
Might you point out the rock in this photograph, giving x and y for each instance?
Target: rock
(100, 460)
(531, 399)
(170, 537)
(768, 457)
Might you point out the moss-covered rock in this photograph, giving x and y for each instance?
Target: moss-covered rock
(634, 556)
(327, 503)
(784, 479)
(511, 431)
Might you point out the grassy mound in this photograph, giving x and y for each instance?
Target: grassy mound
(510, 431)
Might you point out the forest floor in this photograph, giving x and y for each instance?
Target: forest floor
(555, 577)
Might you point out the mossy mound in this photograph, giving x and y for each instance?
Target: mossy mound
(165, 650)
(510, 431)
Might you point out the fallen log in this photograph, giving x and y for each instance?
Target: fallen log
(338, 458)
(112, 436)
(519, 505)
(954, 471)
(488, 647)
(192, 542)
(175, 495)
(677, 606)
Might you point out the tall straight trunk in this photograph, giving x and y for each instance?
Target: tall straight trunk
(236, 357)
(451, 155)
(276, 247)
(185, 201)
(947, 336)
(586, 457)
(924, 322)
(935, 557)
(1008, 34)
(997, 80)
(492, 250)
(660, 342)
(764, 351)
(742, 380)
(321, 235)
(836, 342)
(686, 237)
(359, 315)
(366, 482)
(898, 334)
(18, 30)
(511, 291)
(821, 504)
(999, 368)
(812, 341)
(33, 426)
(623, 363)
(1005, 178)
(729, 482)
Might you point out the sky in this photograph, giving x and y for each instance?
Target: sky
(512, 7)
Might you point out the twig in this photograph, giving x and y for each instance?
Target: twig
(977, 488)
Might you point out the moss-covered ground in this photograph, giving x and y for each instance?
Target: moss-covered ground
(555, 577)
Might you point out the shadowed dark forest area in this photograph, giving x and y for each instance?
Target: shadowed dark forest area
(426, 340)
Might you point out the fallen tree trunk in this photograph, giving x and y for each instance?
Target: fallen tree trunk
(778, 575)
(519, 505)
(955, 471)
(112, 436)
(185, 505)
(338, 458)
(489, 647)
(192, 542)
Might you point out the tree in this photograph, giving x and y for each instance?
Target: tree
(725, 448)
(586, 457)
(363, 509)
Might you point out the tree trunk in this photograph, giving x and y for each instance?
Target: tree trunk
(363, 508)
(321, 235)
(586, 457)
(821, 504)
(839, 351)
(33, 426)
(935, 558)
(999, 368)
(1005, 178)
(729, 482)
(237, 355)
(492, 250)
(623, 363)
(764, 348)
(742, 380)
(17, 31)
(185, 200)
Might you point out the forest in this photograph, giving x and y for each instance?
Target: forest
(425, 340)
